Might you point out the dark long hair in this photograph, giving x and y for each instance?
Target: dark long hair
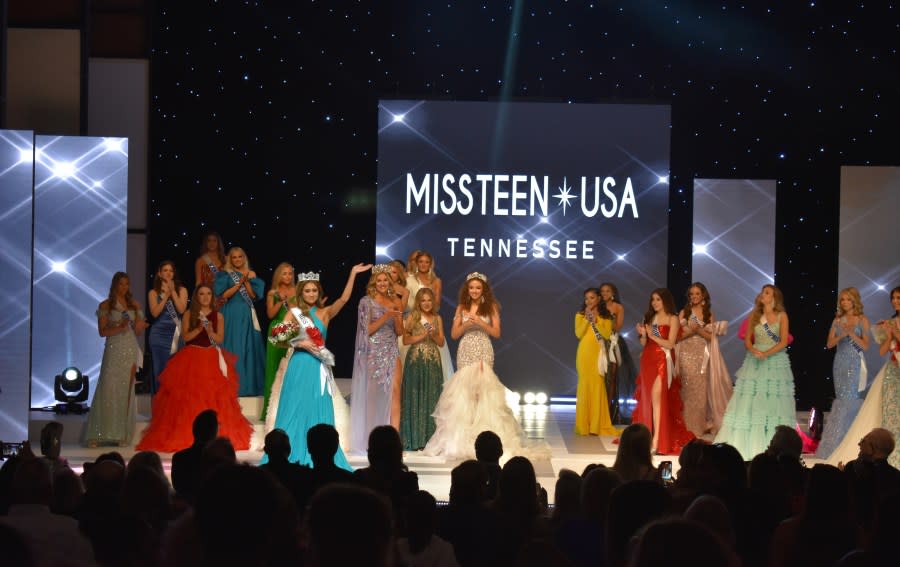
(220, 251)
(157, 281)
(668, 304)
(602, 310)
(129, 298)
(195, 306)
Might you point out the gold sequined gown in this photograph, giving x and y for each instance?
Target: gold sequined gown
(112, 416)
(474, 400)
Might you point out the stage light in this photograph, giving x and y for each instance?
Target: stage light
(880, 287)
(26, 156)
(113, 144)
(59, 266)
(513, 398)
(621, 257)
(98, 185)
(663, 178)
(70, 388)
(540, 398)
(381, 251)
(399, 117)
(64, 170)
(529, 398)
(699, 249)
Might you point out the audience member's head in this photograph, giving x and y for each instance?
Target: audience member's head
(596, 489)
(421, 517)
(67, 492)
(488, 447)
(567, 496)
(147, 460)
(114, 456)
(16, 550)
(876, 445)
(633, 505)
(369, 522)
(146, 496)
(51, 439)
(33, 483)
(467, 484)
(205, 427)
(785, 441)
(322, 441)
(678, 542)
(105, 477)
(277, 446)
(725, 472)
(633, 457)
(385, 448)
(711, 512)
(518, 494)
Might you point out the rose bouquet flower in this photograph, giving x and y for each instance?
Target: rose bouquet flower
(283, 333)
(314, 335)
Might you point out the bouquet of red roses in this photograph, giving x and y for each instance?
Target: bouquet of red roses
(314, 335)
(283, 333)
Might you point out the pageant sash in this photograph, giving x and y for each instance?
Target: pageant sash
(173, 314)
(615, 355)
(140, 352)
(243, 291)
(769, 331)
(209, 264)
(670, 362)
(326, 376)
(863, 371)
(223, 368)
(602, 360)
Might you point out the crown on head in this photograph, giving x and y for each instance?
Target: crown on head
(476, 275)
(307, 277)
(381, 269)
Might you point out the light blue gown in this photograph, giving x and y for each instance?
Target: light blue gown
(240, 336)
(304, 403)
(847, 400)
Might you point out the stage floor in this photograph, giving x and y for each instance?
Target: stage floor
(551, 423)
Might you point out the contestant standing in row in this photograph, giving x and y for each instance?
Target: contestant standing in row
(238, 285)
(474, 400)
(422, 372)
(622, 373)
(306, 394)
(705, 383)
(658, 391)
(764, 392)
(167, 302)
(376, 365)
(210, 262)
(422, 275)
(199, 377)
(849, 332)
(121, 320)
(593, 327)
(279, 300)
(881, 407)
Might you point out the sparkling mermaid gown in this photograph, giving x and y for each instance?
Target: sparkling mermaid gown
(847, 398)
(474, 400)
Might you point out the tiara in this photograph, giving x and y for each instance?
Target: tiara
(381, 269)
(476, 275)
(307, 277)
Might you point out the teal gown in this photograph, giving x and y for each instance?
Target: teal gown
(240, 336)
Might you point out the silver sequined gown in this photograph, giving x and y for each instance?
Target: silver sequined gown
(112, 415)
(474, 400)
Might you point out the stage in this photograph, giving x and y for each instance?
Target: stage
(552, 423)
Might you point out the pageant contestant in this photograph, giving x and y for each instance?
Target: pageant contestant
(167, 302)
(238, 285)
(398, 281)
(423, 378)
(474, 400)
(121, 321)
(882, 405)
(593, 327)
(705, 382)
(200, 377)
(622, 373)
(304, 393)
(658, 391)
(280, 298)
(850, 334)
(210, 261)
(375, 394)
(421, 275)
(764, 392)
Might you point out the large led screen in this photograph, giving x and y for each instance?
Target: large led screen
(546, 199)
(80, 205)
(16, 172)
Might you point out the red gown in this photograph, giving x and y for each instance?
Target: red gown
(673, 435)
(191, 383)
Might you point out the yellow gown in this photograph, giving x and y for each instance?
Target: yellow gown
(591, 405)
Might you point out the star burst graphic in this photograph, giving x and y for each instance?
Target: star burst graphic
(564, 195)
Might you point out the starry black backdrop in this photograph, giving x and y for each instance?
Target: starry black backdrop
(263, 119)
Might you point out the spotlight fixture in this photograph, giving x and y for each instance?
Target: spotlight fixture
(529, 398)
(540, 398)
(70, 388)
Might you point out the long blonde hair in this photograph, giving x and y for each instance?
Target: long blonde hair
(759, 308)
(415, 314)
(854, 297)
